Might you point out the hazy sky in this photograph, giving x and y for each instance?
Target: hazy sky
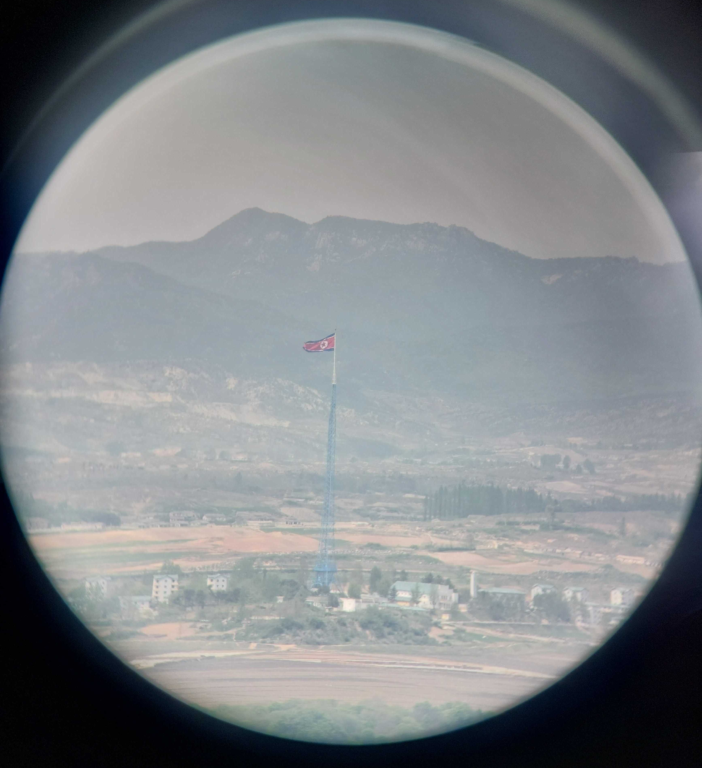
(371, 120)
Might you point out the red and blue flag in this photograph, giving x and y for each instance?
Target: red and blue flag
(323, 345)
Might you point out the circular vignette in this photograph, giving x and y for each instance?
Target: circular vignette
(659, 123)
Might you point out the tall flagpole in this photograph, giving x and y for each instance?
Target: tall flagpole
(334, 366)
(325, 569)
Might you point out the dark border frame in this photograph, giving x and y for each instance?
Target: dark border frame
(640, 128)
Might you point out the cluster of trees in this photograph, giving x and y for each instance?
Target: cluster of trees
(248, 585)
(335, 722)
(384, 625)
(27, 507)
(463, 500)
(553, 460)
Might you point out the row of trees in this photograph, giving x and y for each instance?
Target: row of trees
(450, 503)
(463, 500)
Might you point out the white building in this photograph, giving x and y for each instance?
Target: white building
(424, 595)
(347, 604)
(577, 594)
(217, 582)
(622, 596)
(603, 614)
(317, 601)
(165, 584)
(98, 586)
(541, 589)
(182, 519)
(214, 518)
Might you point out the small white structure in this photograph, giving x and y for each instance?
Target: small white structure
(165, 584)
(347, 604)
(603, 614)
(218, 582)
(473, 585)
(541, 589)
(576, 594)
(622, 596)
(82, 526)
(98, 586)
(213, 518)
(182, 519)
(139, 605)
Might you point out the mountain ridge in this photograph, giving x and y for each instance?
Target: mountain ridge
(418, 306)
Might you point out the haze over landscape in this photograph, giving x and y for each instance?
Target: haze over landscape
(160, 414)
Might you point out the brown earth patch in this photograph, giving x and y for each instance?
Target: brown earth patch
(214, 539)
(500, 565)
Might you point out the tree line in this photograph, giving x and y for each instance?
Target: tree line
(450, 503)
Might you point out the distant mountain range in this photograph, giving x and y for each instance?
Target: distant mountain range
(418, 307)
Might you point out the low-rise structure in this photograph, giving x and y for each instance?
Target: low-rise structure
(182, 519)
(150, 521)
(427, 596)
(576, 594)
(541, 589)
(35, 524)
(603, 614)
(214, 518)
(218, 582)
(82, 526)
(347, 604)
(622, 596)
(136, 606)
(98, 586)
(164, 585)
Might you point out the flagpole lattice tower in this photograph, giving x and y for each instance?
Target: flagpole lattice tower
(325, 568)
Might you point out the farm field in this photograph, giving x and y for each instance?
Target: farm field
(487, 680)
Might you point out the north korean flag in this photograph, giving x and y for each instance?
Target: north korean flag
(323, 345)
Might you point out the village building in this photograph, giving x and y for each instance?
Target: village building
(541, 589)
(150, 521)
(599, 614)
(36, 524)
(182, 519)
(623, 597)
(98, 586)
(218, 582)
(82, 526)
(164, 585)
(136, 606)
(576, 594)
(428, 596)
(213, 518)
